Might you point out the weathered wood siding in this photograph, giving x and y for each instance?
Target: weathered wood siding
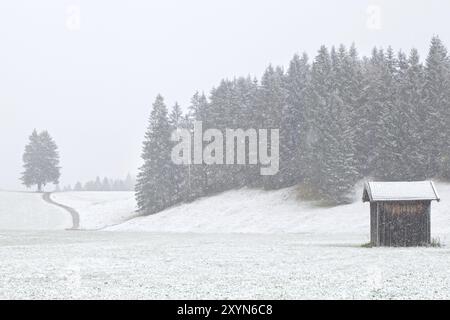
(400, 223)
(373, 223)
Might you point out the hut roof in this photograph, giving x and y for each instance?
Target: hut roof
(399, 191)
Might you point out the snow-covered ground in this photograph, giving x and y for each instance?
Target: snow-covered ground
(281, 211)
(239, 211)
(27, 211)
(252, 211)
(108, 265)
(238, 244)
(99, 209)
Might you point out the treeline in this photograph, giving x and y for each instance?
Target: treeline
(341, 117)
(105, 184)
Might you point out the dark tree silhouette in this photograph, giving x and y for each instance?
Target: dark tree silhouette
(41, 161)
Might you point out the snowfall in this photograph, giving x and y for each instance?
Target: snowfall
(241, 244)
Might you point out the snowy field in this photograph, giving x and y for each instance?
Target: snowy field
(99, 209)
(107, 265)
(258, 211)
(239, 244)
(27, 211)
(251, 211)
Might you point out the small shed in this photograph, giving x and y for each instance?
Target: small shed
(400, 212)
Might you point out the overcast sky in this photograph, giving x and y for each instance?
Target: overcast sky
(91, 81)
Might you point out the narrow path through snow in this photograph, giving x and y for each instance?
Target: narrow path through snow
(75, 216)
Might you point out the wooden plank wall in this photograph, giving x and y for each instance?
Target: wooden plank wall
(373, 224)
(400, 223)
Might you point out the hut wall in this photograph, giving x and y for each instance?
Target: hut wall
(373, 224)
(403, 223)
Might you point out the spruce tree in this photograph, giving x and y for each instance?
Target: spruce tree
(437, 107)
(180, 172)
(197, 179)
(154, 182)
(41, 161)
(389, 131)
(97, 184)
(332, 168)
(410, 118)
(220, 114)
(294, 122)
(106, 186)
(176, 116)
(129, 182)
(272, 100)
(380, 136)
(78, 187)
(246, 92)
(351, 86)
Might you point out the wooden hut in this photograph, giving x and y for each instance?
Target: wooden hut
(400, 212)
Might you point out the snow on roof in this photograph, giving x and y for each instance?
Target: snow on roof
(399, 191)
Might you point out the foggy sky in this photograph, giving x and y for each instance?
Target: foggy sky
(92, 87)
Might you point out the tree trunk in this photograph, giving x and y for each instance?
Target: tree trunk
(39, 187)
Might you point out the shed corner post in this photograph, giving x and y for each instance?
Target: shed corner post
(378, 224)
(428, 223)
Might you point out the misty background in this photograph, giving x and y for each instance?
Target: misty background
(91, 83)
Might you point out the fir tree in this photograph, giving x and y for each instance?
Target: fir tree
(272, 100)
(106, 186)
(380, 137)
(332, 157)
(97, 184)
(294, 127)
(410, 118)
(129, 183)
(179, 172)
(437, 107)
(197, 178)
(155, 184)
(41, 161)
(78, 186)
(176, 116)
